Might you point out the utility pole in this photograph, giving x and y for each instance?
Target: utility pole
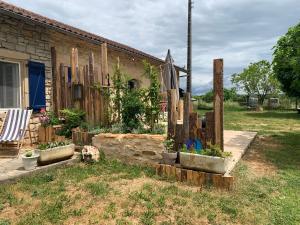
(189, 48)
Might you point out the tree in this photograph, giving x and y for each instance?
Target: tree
(286, 61)
(257, 79)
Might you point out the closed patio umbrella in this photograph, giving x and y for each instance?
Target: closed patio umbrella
(169, 75)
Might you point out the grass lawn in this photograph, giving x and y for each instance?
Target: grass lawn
(267, 187)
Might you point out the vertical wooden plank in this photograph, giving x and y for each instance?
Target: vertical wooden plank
(189, 176)
(104, 64)
(54, 78)
(172, 114)
(183, 175)
(179, 136)
(178, 174)
(180, 109)
(74, 65)
(196, 178)
(62, 87)
(168, 170)
(218, 103)
(209, 128)
(186, 116)
(159, 169)
(228, 182)
(217, 180)
(193, 122)
(92, 90)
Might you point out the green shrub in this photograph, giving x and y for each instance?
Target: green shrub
(73, 118)
(132, 110)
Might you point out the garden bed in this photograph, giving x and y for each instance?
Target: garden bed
(131, 148)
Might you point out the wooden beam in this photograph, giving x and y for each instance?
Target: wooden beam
(172, 113)
(54, 80)
(218, 103)
(104, 64)
(186, 116)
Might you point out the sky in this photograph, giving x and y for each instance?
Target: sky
(239, 31)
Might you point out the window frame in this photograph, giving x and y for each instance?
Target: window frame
(20, 84)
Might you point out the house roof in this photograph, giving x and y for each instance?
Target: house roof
(54, 24)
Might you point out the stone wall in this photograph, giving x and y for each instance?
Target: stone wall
(131, 148)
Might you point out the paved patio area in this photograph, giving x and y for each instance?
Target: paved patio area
(236, 142)
(12, 168)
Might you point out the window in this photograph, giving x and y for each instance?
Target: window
(9, 85)
(133, 84)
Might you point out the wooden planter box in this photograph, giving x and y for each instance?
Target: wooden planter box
(56, 154)
(47, 134)
(204, 163)
(81, 138)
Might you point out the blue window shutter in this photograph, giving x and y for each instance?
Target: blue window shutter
(37, 95)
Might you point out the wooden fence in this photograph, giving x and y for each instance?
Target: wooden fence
(82, 87)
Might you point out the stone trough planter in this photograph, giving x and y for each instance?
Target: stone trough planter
(204, 163)
(56, 154)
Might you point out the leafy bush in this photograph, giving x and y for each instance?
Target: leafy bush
(28, 154)
(52, 145)
(132, 110)
(169, 145)
(73, 118)
(212, 150)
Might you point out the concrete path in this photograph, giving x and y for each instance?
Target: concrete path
(237, 142)
(12, 168)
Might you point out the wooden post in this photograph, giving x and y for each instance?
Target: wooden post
(54, 80)
(62, 95)
(104, 64)
(172, 114)
(218, 103)
(105, 82)
(186, 115)
(209, 128)
(180, 109)
(193, 125)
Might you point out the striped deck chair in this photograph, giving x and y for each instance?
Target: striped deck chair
(15, 125)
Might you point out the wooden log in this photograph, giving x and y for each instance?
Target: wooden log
(217, 180)
(186, 116)
(228, 182)
(183, 175)
(172, 114)
(178, 174)
(202, 178)
(173, 172)
(168, 170)
(55, 95)
(189, 176)
(196, 178)
(159, 169)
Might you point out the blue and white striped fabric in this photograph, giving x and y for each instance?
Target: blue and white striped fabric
(15, 125)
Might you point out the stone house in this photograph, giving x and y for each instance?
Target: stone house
(26, 40)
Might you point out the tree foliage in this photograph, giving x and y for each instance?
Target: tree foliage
(286, 62)
(257, 79)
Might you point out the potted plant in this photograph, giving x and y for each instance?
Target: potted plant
(54, 152)
(212, 159)
(169, 156)
(29, 160)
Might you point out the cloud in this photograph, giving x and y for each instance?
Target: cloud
(240, 31)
